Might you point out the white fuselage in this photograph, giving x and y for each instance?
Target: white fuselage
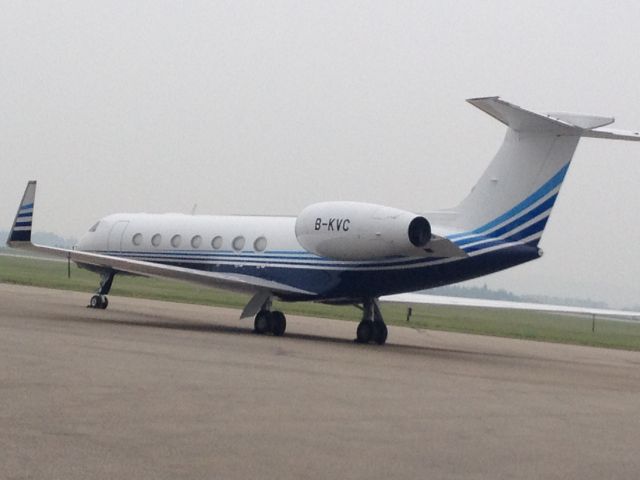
(267, 248)
(142, 232)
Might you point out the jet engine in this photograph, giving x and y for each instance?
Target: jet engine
(361, 231)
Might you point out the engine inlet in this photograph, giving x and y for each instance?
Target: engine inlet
(419, 231)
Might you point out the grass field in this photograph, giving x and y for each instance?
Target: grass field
(516, 324)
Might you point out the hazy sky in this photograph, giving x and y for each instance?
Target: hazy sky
(266, 107)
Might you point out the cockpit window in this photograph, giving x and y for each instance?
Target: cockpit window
(95, 227)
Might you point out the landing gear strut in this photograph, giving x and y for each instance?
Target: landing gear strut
(267, 321)
(372, 327)
(100, 300)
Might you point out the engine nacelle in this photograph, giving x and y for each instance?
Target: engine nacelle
(361, 231)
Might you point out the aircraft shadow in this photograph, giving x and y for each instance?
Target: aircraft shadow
(212, 328)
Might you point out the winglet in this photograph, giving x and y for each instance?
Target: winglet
(21, 230)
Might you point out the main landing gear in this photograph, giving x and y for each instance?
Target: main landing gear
(100, 300)
(372, 327)
(267, 321)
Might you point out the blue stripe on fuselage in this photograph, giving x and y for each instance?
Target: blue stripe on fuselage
(243, 259)
(540, 209)
(521, 235)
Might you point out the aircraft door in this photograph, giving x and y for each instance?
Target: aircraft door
(114, 242)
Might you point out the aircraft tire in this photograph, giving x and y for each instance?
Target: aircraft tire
(95, 302)
(364, 331)
(104, 303)
(278, 323)
(262, 322)
(380, 333)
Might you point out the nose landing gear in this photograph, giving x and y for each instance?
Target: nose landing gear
(100, 300)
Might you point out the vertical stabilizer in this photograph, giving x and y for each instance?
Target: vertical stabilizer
(515, 195)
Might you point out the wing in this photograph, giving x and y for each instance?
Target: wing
(418, 298)
(20, 237)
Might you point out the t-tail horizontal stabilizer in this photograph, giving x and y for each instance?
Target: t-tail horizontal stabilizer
(561, 123)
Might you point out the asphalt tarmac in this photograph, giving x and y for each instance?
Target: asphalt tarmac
(156, 390)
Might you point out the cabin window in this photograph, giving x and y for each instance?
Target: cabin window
(176, 240)
(196, 241)
(94, 227)
(238, 243)
(156, 239)
(137, 239)
(216, 243)
(260, 244)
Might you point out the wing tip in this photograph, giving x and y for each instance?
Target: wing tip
(20, 234)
